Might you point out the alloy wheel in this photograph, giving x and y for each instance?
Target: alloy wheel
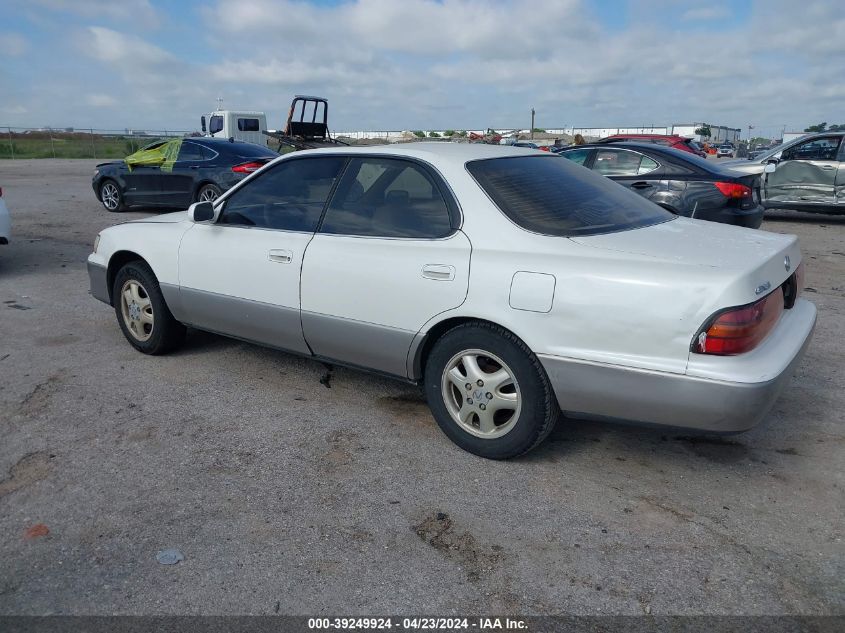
(110, 196)
(137, 310)
(481, 393)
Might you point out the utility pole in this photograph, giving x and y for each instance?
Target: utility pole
(532, 124)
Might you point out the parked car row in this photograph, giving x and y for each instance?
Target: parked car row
(509, 283)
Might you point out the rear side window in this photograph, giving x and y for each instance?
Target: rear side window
(288, 197)
(622, 162)
(555, 197)
(190, 151)
(385, 197)
(248, 125)
(577, 156)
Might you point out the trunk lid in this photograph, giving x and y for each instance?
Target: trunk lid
(748, 262)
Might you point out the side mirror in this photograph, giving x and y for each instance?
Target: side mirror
(202, 123)
(770, 167)
(201, 212)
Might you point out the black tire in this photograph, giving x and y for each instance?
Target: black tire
(164, 333)
(208, 192)
(110, 196)
(538, 410)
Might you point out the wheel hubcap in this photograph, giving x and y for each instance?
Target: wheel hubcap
(110, 196)
(481, 393)
(137, 310)
(208, 195)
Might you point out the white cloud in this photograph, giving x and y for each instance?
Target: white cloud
(13, 44)
(706, 13)
(126, 11)
(101, 101)
(115, 47)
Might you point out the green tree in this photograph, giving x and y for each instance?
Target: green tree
(704, 131)
(449, 133)
(539, 130)
(837, 128)
(433, 135)
(419, 133)
(462, 133)
(821, 127)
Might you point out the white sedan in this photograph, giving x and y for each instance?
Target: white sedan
(5, 221)
(511, 283)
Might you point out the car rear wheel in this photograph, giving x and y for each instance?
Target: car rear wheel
(143, 315)
(488, 392)
(110, 196)
(208, 193)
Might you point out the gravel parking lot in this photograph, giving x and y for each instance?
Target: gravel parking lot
(290, 492)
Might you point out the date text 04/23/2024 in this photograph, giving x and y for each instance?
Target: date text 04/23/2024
(419, 624)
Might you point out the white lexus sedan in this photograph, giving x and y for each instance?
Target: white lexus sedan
(511, 283)
(5, 221)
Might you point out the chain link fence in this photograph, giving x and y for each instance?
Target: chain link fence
(22, 142)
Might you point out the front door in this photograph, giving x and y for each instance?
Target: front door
(240, 275)
(386, 259)
(179, 178)
(805, 174)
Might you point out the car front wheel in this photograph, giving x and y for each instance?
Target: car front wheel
(143, 315)
(110, 196)
(488, 392)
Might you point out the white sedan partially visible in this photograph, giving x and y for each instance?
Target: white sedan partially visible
(508, 282)
(5, 221)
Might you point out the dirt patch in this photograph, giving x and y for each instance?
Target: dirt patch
(438, 530)
(56, 341)
(411, 403)
(341, 447)
(39, 398)
(29, 469)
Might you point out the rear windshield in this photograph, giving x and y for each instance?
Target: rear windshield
(252, 150)
(554, 196)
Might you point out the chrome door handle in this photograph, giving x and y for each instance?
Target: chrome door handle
(438, 272)
(828, 167)
(281, 256)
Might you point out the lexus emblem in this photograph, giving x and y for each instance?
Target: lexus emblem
(786, 263)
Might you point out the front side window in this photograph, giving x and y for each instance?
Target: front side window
(215, 124)
(387, 197)
(620, 162)
(288, 197)
(554, 197)
(824, 148)
(248, 125)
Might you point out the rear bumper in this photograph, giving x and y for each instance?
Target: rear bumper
(750, 218)
(732, 393)
(98, 278)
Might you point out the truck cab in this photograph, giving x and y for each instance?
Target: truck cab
(240, 125)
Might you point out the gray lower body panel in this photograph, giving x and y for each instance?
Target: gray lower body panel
(654, 397)
(383, 349)
(98, 278)
(271, 325)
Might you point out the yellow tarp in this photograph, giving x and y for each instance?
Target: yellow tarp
(163, 155)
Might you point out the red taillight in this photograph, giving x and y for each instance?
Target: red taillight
(739, 330)
(247, 168)
(733, 190)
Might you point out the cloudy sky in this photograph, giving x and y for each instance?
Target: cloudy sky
(425, 64)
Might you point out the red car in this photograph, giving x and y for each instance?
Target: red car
(669, 140)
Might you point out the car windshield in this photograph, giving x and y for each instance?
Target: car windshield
(551, 196)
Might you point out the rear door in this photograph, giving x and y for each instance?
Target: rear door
(805, 175)
(386, 259)
(630, 169)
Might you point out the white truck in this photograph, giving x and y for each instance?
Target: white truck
(236, 124)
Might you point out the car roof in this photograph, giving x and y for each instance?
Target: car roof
(443, 152)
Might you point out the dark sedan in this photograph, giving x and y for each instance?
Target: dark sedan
(678, 181)
(177, 172)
